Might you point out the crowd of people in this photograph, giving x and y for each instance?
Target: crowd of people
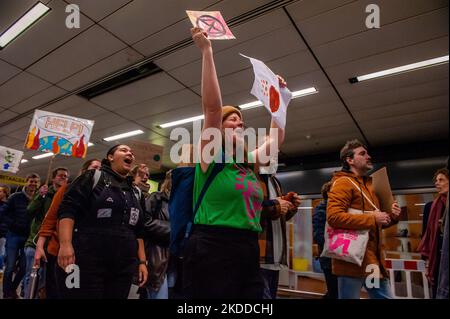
(116, 233)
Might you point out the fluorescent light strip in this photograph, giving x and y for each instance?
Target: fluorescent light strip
(250, 105)
(401, 69)
(304, 92)
(43, 155)
(23, 160)
(23, 23)
(123, 135)
(246, 106)
(179, 122)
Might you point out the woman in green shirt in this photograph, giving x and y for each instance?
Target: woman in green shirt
(222, 254)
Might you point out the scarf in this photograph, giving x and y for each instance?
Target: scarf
(428, 246)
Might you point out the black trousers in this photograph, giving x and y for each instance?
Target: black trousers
(51, 290)
(107, 261)
(222, 263)
(330, 279)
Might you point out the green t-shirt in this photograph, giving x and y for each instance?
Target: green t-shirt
(234, 198)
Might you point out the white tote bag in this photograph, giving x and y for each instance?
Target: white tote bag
(347, 244)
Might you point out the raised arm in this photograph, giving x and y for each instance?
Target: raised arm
(211, 96)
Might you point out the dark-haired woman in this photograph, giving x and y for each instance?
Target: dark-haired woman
(101, 230)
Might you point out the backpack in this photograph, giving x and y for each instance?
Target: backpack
(181, 211)
(97, 174)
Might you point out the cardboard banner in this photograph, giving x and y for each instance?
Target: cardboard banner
(147, 153)
(382, 188)
(213, 24)
(266, 88)
(14, 180)
(60, 134)
(10, 159)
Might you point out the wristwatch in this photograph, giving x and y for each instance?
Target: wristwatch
(143, 262)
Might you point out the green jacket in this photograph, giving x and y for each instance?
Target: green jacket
(36, 210)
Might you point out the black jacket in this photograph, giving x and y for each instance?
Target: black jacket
(111, 203)
(157, 204)
(319, 220)
(15, 215)
(157, 228)
(3, 225)
(80, 194)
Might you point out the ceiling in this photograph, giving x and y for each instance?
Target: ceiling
(320, 43)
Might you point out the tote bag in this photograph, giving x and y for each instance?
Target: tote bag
(347, 244)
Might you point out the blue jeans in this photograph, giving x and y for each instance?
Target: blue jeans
(2, 251)
(350, 288)
(14, 252)
(162, 293)
(29, 256)
(270, 280)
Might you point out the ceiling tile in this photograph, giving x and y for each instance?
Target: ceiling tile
(229, 61)
(160, 104)
(244, 32)
(416, 106)
(434, 130)
(394, 82)
(9, 141)
(38, 99)
(86, 49)
(408, 35)
(302, 10)
(150, 87)
(335, 24)
(407, 94)
(43, 37)
(7, 71)
(15, 126)
(20, 88)
(106, 66)
(6, 115)
(75, 106)
(97, 10)
(157, 16)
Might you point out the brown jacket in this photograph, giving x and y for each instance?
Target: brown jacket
(49, 227)
(342, 196)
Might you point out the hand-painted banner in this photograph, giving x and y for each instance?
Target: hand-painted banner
(266, 88)
(59, 134)
(10, 159)
(213, 24)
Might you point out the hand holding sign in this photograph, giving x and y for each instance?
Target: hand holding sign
(201, 39)
(212, 22)
(271, 90)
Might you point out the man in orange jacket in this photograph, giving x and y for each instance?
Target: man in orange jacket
(352, 189)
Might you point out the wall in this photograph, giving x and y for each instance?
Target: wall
(405, 174)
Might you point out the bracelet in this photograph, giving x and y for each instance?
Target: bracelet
(143, 262)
